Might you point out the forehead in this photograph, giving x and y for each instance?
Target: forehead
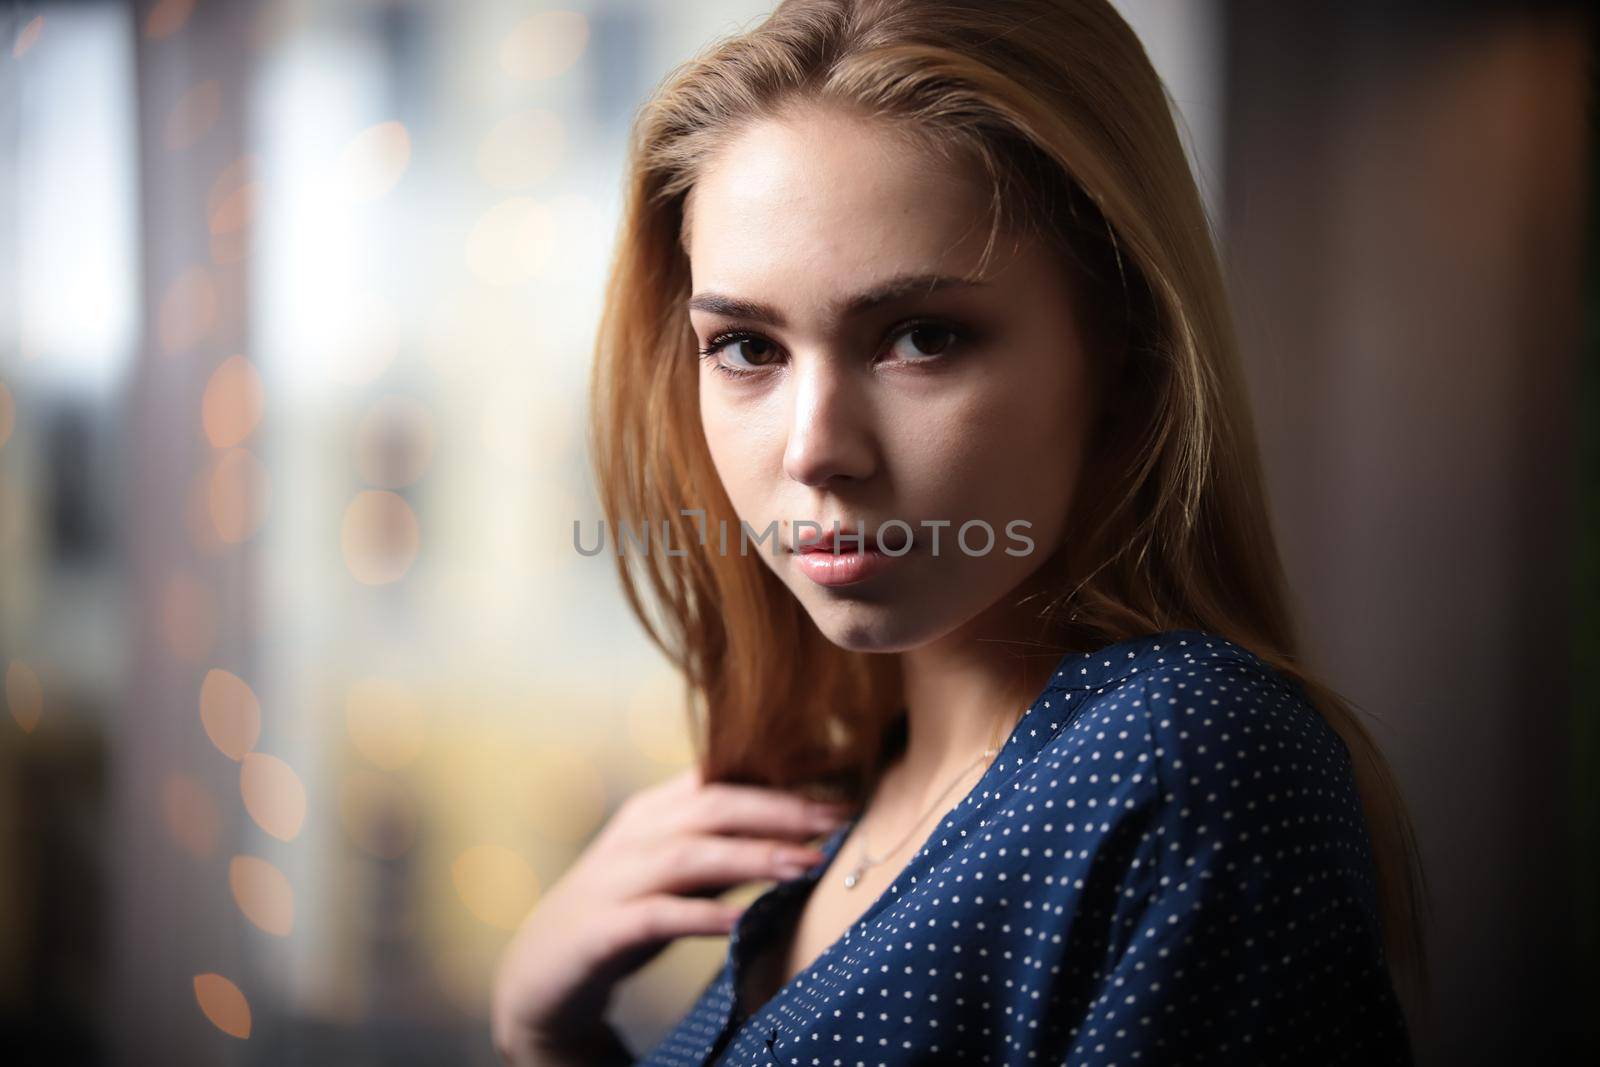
(820, 201)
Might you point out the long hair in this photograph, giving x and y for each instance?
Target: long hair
(1057, 104)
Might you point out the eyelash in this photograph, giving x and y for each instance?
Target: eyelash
(959, 335)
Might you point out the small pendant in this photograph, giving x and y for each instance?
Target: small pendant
(854, 876)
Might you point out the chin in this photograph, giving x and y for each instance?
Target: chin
(868, 627)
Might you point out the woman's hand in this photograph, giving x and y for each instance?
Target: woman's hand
(649, 877)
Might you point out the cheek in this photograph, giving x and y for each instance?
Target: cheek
(1003, 435)
(1003, 449)
(738, 441)
(722, 443)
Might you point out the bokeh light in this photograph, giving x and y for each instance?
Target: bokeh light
(380, 537)
(544, 45)
(230, 713)
(167, 17)
(27, 37)
(263, 894)
(231, 203)
(230, 408)
(230, 210)
(273, 795)
(373, 161)
(24, 695)
(202, 532)
(188, 311)
(240, 495)
(223, 1003)
(496, 884)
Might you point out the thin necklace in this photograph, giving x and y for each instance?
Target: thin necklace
(864, 861)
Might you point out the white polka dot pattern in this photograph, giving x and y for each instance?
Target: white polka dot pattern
(1167, 863)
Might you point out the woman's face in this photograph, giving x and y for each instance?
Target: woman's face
(948, 403)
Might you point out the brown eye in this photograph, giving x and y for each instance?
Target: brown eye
(764, 354)
(759, 350)
(926, 340)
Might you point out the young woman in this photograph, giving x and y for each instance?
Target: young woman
(938, 272)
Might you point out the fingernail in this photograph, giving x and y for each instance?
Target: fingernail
(796, 861)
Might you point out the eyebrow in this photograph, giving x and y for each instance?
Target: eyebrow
(897, 287)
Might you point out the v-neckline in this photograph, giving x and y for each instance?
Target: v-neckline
(1092, 670)
(762, 909)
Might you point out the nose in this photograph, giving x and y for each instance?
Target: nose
(831, 434)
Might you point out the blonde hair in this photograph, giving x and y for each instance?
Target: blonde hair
(1057, 104)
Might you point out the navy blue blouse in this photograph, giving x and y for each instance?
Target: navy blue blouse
(1167, 863)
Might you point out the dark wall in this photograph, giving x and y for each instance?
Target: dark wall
(1407, 204)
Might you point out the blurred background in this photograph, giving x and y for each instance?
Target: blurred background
(308, 697)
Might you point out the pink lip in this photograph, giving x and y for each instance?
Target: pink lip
(824, 541)
(847, 535)
(827, 542)
(842, 568)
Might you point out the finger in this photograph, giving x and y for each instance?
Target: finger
(727, 808)
(697, 862)
(662, 917)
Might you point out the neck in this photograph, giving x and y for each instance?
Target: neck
(964, 693)
(961, 701)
